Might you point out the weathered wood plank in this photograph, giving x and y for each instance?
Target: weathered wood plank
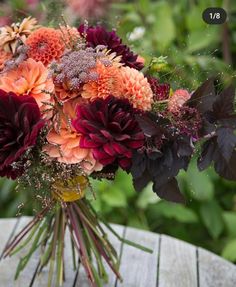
(139, 268)
(8, 266)
(82, 280)
(178, 265)
(215, 271)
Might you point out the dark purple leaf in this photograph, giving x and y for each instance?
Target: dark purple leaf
(207, 155)
(170, 191)
(203, 98)
(148, 126)
(224, 103)
(184, 147)
(141, 182)
(226, 142)
(138, 164)
(224, 168)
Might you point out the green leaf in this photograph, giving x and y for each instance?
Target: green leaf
(201, 39)
(212, 218)
(175, 211)
(229, 251)
(164, 25)
(199, 183)
(230, 222)
(194, 19)
(114, 197)
(146, 197)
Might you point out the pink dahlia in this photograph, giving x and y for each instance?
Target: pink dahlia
(108, 127)
(177, 100)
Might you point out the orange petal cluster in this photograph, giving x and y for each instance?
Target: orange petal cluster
(70, 36)
(45, 45)
(107, 83)
(135, 87)
(177, 100)
(29, 78)
(64, 146)
(64, 92)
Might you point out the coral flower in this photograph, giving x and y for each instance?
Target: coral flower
(106, 84)
(45, 45)
(64, 145)
(177, 100)
(29, 78)
(70, 36)
(135, 87)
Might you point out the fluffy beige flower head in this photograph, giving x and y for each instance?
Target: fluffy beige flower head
(12, 36)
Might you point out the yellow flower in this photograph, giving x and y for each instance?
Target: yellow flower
(70, 190)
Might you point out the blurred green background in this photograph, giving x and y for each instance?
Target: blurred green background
(187, 51)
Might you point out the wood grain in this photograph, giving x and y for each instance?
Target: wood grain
(215, 271)
(139, 268)
(177, 263)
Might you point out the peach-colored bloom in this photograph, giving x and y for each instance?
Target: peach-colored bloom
(29, 78)
(141, 59)
(64, 146)
(45, 45)
(178, 99)
(70, 36)
(135, 87)
(106, 84)
(64, 91)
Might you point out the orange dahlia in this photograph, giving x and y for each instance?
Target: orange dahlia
(70, 36)
(64, 92)
(106, 84)
(29, 78)
(45, 45)
(135, 87)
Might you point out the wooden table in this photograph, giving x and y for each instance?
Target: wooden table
(173, 263)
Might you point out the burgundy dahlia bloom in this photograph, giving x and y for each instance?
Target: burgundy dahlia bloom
(110, 129)
(20, 123)
(160, 91)
(100, 36)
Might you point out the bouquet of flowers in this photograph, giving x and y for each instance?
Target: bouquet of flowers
(75, 105)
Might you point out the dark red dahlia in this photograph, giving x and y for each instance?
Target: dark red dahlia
(20, 123)
(110, 129)
(100, 36)
(160, 91)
